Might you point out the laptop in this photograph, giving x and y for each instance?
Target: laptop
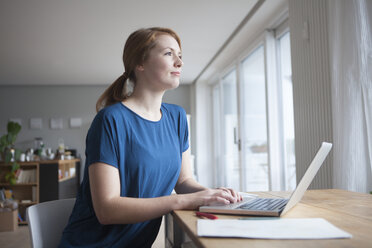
(274, 207)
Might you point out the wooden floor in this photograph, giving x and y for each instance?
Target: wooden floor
(21, 238)
(17, 239)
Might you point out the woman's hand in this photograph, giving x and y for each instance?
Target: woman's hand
(219, 196)
(233, 193)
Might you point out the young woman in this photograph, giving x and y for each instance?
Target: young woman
(137, 152)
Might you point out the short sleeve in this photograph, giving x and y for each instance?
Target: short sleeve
(101, 142)
(184, 131)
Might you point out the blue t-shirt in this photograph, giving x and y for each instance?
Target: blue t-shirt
(148, 155)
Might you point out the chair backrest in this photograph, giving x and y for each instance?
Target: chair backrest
(47, 220)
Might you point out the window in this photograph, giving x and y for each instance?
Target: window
(230, 129)
(217, 140)
(254, 130)
(225, 132)
(255, 154)
(284, 54)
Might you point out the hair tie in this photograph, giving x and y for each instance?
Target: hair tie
(125, 74)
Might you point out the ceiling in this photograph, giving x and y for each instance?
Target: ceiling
(80, 42)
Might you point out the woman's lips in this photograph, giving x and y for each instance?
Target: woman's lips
(176, 73)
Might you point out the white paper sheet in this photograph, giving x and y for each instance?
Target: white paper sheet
(282, 228)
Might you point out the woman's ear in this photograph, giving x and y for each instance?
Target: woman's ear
(140, 68)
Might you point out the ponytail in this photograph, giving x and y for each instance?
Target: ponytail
(116, 92)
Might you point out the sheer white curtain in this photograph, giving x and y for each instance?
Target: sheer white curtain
(350, 43)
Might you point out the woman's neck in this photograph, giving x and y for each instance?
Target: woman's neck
(146, 104)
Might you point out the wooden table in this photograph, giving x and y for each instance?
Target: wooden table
(350, 211)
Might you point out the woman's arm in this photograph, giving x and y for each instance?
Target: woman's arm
(111, 208)
(187, 184)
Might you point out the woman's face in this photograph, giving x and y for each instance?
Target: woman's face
(162, 69)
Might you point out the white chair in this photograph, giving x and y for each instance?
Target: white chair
(47, 220)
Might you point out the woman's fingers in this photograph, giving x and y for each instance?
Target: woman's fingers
(219, 200)
(227, 195)
(220, 196)
(235, 195)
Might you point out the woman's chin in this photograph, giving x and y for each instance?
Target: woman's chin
(173, 85)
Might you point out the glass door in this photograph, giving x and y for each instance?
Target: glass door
(255, 143)
(230, 131)
(284, 53)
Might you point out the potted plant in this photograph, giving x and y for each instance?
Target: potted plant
(8, 152)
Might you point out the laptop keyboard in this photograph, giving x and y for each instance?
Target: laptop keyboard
(266, 204)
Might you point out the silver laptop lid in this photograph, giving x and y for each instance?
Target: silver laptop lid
(308, 176)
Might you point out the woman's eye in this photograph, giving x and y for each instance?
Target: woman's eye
(169, 53)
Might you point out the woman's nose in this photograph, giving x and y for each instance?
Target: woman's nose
(178, 62)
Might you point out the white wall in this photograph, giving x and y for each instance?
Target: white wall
(25, 102)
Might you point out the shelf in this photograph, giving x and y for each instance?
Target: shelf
(74, 160)
(66, 178)
(31, 164)
(26, 203)
(18, 184)
(42, 182)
